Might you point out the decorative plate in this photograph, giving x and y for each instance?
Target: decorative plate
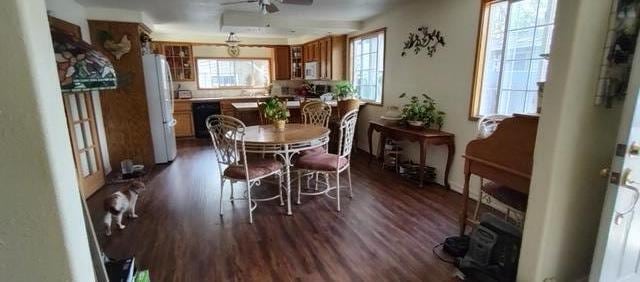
(233, 51)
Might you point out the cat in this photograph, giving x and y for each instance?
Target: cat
(122, 202)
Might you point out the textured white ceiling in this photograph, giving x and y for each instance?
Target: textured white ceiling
(204, 16)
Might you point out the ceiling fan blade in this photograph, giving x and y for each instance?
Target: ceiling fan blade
(238, 2)
(297, 2)
(271, 8)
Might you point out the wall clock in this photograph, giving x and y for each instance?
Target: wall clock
(233, 51)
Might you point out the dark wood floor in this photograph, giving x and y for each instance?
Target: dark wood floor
(385, 233)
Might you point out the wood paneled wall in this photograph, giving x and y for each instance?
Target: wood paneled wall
(126, 118)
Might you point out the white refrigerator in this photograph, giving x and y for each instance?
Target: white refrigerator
(160, 103)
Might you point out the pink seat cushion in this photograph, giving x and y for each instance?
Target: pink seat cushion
(257, 168)
(321, 162)
(506, 195)
(319, 150)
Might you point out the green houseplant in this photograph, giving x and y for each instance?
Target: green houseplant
(276, 111)
(345, 91)
(347, 96)
(422, 112)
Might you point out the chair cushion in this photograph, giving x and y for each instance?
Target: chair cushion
(506, 195)
(319, 150)
(321, 162)
(257, 168)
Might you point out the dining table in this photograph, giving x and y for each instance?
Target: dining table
(284, 144)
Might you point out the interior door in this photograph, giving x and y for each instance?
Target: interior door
(84, 140)
(617, 254)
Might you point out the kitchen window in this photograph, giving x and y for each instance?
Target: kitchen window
(367, 65)
(512, 56)
(217, 73)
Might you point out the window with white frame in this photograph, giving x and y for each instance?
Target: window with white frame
(367, 65)
(215, 73)
(513, 55)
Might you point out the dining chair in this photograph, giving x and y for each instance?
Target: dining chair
(227, 134)
(262, 116)
(316, 113)
(319, 114)
(331, 163)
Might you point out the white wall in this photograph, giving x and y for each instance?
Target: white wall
(575, 141)
(70, 11)
(446, 77)
(42, 232)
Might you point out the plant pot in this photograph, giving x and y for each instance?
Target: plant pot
(345, 106)
(279, 124)
(416, 123)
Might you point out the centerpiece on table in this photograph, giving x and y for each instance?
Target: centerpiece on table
(421, 111)
(347, 97)
(277, 112)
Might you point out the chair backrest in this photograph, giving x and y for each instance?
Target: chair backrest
(227, 134)
(316, 113)
(262, 117)
(347, 132)
(488, 124)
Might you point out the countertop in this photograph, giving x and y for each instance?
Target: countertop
(290, 105)
(218, 99)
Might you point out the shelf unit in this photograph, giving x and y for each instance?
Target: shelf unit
(297, 71)
(180, 59)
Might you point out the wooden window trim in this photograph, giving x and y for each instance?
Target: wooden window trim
(269, 62)
(384, 58)
(478, 69)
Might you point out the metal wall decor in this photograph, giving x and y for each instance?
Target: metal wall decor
(619, 50)
(424, 40)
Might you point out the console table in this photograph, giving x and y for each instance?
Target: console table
(420, 135)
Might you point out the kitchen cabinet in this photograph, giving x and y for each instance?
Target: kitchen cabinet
(331, 54)
(180, 59)
(282, 58)
(297, 59)
(184, 119)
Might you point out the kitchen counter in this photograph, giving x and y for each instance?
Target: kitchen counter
(218, 99)
(244, 107)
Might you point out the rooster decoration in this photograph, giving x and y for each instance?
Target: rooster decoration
(117, 49)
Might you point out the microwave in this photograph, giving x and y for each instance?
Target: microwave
(311, 70)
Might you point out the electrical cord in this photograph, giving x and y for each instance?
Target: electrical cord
(438, 255)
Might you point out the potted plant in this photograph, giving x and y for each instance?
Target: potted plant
(276, 111)
(422, 112)
(347, 97)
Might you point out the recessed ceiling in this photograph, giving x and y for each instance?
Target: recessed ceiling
(204, 17)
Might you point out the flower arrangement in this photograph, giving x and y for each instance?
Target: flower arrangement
(305, 90)
(422, 112)
(276, 111)
(345, 90)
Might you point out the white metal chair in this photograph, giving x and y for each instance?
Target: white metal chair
(316, 113)
(327, 163)
(227, 134)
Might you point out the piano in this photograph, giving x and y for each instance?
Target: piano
(504, 157)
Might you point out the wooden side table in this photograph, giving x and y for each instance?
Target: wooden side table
(424, 137)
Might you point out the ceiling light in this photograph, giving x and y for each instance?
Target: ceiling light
(233, 40)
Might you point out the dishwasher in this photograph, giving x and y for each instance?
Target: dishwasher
(201, 111)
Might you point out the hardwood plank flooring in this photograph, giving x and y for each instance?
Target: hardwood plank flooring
(385, 233)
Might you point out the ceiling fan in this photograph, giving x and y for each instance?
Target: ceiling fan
(267, 6)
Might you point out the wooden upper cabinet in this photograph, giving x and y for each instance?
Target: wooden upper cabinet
(331, 55)
(338, 59)
(282, 58)
(180, 59)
